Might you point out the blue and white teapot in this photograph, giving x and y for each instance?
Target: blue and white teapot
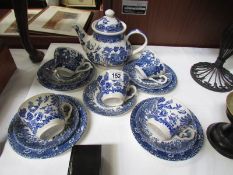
(108, 46)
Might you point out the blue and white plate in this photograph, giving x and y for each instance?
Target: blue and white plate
(52, 151)
(47, 78)
(173, 150)
(150, 86)
(92, 99)
(26, 138)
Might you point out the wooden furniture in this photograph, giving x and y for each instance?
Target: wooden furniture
(7, 65)
(20, 9)
(196, 23)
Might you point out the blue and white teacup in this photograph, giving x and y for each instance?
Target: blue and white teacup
(45, 115)
(69, 62)
(149, 67)
(168, 119)
(115, 87)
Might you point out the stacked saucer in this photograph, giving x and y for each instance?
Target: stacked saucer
(111, 94)
(167, 129)
(149, 75)
(35, 132)
(67, 71)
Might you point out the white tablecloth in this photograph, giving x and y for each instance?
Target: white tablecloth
(121, 153)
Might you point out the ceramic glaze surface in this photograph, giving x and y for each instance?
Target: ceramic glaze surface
(113, 81)
(109, 23)
(39, 110)
(169, 113)
(53, 151)
(149, 86)
(92, 99)
(149, 64)
(108, 46)
(174, 149)
(68, 58)
(26, 138)
(46, 77)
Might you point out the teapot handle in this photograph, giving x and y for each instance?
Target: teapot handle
(136, 31)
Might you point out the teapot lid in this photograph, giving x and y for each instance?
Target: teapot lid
(109, 24)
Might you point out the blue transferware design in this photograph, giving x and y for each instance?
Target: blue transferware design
(108, 46)
(108, 39)
(109, 86)
(150, 64)
(175, 116)
(39, 110)
(68, 58)
(92, 99)
(24, 136)
(108, 24)
(149, 86)
(53, 151)
(47, 78)
(173, 150)
(168, 112)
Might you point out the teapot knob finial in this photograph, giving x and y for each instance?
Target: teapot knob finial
(109, 13)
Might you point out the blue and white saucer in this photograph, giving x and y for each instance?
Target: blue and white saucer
(42, 152)
(92, 99)
(26, 138)
(150, 86)
(47, 78)
(173, 150)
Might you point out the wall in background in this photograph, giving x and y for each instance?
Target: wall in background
(196, 23)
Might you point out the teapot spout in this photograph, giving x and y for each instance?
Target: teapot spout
(82, 35)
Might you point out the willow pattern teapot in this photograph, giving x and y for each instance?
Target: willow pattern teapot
(108, 46)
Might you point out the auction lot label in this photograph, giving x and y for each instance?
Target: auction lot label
(134, 7)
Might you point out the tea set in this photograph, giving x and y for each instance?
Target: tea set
(49, 124)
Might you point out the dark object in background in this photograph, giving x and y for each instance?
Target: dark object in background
(7, 65)
(6, 4)
(20, 9)
(85, 160)
(214, 76)
(220, 135)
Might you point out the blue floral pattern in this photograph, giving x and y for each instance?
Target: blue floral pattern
(108, 39)
(150, 64)
(68, 58)
(47, 79)
(111, 86)
(92, 99)
(173, 150)
(149, 86)
(24, 136)
(56, 150)
(104, 25)
(40, 111)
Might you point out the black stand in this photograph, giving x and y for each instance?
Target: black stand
(20, 9)
(214, 76)
(220, 135)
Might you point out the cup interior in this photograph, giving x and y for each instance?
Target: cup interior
(114, 99)
(51, 130)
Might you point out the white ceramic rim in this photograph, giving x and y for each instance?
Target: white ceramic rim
(33, 99)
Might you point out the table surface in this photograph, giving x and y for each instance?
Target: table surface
(121, 153)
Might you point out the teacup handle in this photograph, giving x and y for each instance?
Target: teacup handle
(66, 109)
(136, 31)
(85, 64)
(182, 134)
(134, 91)
(159, 81)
